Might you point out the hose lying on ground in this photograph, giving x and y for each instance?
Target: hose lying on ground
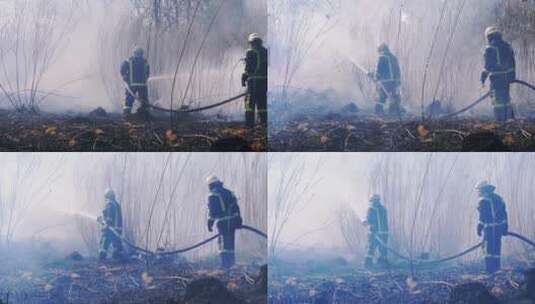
(208, 240)
(480, 99)
(475, 103)
(524, 83)
(215, 105)
(458, 255)
(260, 233)
(420, 261)
(521, 237)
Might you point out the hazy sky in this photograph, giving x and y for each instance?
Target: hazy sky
(345, 181)
(80, 179)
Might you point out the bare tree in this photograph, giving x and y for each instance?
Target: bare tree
(32, 33)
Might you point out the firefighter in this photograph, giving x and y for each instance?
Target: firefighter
(377, 221)
(255, 78)
(387, 76)
(135, 72)
(492, 224)
(500, 68)
(224, 212)
(112, 227)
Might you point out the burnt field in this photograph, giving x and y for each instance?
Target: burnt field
(339, 282)
(369, 133)
(78, 279)
(100, 131)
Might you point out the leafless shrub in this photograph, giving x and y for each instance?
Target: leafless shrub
(163, 197)
(31, 33)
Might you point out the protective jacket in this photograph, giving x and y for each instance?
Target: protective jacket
(500, 62)
(388, 71)
(112, 214)
(135, 71)
(256, 63)
(223, 208)
(377, 218)
(492, 216)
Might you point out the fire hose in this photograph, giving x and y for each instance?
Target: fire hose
(521, 237)
(182, 250)
(367, 73)
(480, 99)
(215, 105)
(458, 255)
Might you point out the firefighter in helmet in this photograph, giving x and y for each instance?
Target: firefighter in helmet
(492, 224)
(377, 222)
(135, 72)
(255, 78)
(111, 222)
(500, 68)
(388, 78)
(224, 212)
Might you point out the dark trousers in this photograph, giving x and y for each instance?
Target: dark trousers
(375, 245)
(143, 94)
(256, 101)
(501, 100)
(109, 238)
(388, 91)
(227, 242)
(492, 245)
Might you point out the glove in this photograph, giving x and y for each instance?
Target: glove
(239, 223)
(210, 225)
(244, 80)
(484, 76)
(479, 229)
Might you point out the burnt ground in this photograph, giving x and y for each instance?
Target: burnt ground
(336, 282)
(369, 133)
(100, 131)
(87, 281)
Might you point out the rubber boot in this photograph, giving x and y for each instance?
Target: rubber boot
(117, 255)
(379, 109)
(368, 262)
(492, 264)
(225, 260)
(102, 256)
(394, 110)
(383, 262)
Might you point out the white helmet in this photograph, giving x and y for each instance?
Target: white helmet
(491, 30)
(138, 52)
(375, 198)
(212, 179)
(254, 36)
(485, 186)
(383, 47)
(109, 194)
